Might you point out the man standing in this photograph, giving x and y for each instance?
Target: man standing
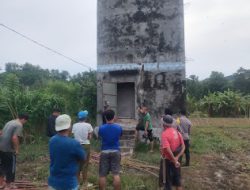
(185, 126)
(110, 157)
(82, 133)
(9, 146)
(147, 127)
(105, 107)
(172, 147)
(65, 153)
(51, 122)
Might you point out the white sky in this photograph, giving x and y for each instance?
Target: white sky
(217, 34)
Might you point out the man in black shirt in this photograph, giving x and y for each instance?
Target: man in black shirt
(51, 122)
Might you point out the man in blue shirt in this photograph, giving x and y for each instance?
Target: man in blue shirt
(110, 157)
(65, 153)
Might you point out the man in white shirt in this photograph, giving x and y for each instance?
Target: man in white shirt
(82, 133)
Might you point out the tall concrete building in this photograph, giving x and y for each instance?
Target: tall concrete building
(141, 56)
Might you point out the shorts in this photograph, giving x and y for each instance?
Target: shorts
(8, 165)
(150, 135)
(173, 175)
(109, 162)
(150, 132)
(139, 127)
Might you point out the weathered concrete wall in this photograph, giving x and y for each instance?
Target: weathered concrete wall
(142, 41)
(140, 31)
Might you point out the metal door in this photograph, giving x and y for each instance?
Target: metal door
(126, 100)
(110, 95)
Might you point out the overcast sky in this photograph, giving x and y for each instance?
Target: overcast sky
(217, 34)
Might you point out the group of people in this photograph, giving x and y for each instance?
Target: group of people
(174, 143)
(69, 157)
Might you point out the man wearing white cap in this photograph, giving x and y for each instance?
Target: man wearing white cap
(82, 133)
(65, 153)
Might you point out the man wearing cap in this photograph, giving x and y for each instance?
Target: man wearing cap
(82, 133)
(172, 147)
(65, 153)
(9, 147)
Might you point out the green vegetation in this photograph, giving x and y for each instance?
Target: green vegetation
(142, 153)
(215, 140)
(220, 96)
(30, 89)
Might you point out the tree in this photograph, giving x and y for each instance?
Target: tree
(241, 81)
(194, 87)
(88, 84)
(224, 104)
(12, 67)
(217, 82)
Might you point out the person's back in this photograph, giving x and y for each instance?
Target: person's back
(110, 157)
(172, 147)
(110, 134)
(81, 132)
(65, 153)
(171, 137)
(185, 125)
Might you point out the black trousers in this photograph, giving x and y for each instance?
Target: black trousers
(173, 175)
(187, 153)
(8, 165)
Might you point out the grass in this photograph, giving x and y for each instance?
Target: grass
(33, 151)
(216, 140)
(130, 180)
(142, 153)
(33, 160)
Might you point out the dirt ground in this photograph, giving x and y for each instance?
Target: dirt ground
(218, 172)
(223, 171)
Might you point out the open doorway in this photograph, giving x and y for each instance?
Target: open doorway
(126, 100)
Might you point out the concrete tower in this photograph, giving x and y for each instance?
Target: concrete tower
(141, 56)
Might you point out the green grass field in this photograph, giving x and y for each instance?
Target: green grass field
(220, 159)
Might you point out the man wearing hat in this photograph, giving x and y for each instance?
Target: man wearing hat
(82, 133)
(65, 153)
(172, 147)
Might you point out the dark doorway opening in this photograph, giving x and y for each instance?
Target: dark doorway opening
(126, 100)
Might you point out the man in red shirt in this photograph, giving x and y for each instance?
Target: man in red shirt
(172, 147)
